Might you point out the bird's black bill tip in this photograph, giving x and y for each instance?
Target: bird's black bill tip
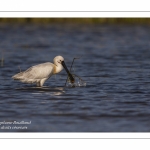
(72, 80)
(69, 74)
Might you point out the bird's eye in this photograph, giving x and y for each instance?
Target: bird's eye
(60, 60)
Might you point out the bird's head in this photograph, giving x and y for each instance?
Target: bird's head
(60, 60)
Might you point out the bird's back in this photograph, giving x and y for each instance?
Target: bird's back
(36, 73)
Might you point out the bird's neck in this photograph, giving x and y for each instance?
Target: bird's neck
(57, 68)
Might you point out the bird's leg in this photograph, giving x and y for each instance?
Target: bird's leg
(42, 81)
(38, 84)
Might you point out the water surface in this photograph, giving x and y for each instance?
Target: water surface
(115, 64)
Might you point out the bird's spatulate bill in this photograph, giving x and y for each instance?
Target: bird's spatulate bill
(69, 74)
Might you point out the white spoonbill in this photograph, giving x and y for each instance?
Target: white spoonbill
(40, 73)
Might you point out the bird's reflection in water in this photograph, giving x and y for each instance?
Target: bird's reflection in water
(53, 91)
(58, 93)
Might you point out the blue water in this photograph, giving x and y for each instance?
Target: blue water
(115, 64)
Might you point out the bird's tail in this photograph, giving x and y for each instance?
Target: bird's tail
(21, 77)
(18, 76)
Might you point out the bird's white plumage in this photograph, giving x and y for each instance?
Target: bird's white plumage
(40, 73)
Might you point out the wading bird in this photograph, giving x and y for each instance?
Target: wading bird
(40, 73)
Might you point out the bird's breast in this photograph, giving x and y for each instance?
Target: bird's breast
(57, 69)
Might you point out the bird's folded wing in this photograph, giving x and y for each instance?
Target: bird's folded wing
(40, 71)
